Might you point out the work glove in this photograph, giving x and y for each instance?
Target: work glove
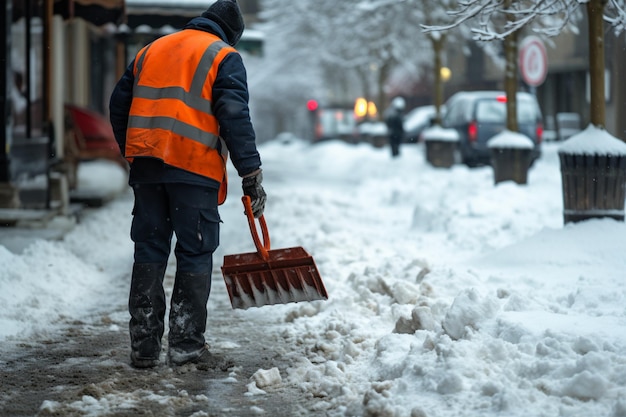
(252, 188)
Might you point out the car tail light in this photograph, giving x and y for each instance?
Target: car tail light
(501, 99)
(539, 132)
(472, 131)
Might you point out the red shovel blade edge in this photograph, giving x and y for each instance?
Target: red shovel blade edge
(288, 276)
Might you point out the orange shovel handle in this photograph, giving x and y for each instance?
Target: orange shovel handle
(262, 248)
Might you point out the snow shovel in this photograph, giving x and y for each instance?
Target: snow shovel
(264, 277)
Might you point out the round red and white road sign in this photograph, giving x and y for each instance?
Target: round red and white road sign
(533, 61)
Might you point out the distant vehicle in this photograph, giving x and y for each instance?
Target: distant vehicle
(335, 123)
(417, 120)
(567, 124)
(480, 115)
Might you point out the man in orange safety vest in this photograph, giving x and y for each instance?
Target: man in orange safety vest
(178, 112)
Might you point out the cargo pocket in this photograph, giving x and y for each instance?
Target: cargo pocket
(209, 229)
(139, 230)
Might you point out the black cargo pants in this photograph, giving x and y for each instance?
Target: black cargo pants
(162, 210)
(189, 211)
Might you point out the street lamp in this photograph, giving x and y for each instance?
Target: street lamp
(446, 73)
(360, 107)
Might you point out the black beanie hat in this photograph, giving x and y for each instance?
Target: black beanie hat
(226, 13)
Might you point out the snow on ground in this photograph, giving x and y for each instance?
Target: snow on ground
(449, 295)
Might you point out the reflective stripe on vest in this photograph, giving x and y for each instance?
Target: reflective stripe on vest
(171, 115)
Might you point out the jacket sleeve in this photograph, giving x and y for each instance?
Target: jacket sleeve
(230, 107)
(119, 106)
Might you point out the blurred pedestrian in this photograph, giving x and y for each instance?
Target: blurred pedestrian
(394, 116)
(178, 110)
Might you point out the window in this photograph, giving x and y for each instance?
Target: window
(492, 111)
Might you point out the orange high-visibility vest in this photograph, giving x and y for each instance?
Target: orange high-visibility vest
(171, 116)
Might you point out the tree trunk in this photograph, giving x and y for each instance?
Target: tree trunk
(596, 62)
(510, 77)
(383, 75)
(438, 43)
(619, 86)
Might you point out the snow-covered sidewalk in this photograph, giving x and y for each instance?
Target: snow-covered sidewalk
(448, 295)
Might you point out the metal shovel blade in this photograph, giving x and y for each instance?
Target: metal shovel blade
(288, 276)
(264, 277)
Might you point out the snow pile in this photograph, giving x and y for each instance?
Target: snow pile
(594, 141)
(448, 295)
(263, 378)
(508, 139)
(439, 133)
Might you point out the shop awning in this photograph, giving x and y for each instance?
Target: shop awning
(159, 13)
(159, 17)
(98, 12)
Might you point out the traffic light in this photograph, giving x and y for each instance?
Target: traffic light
(312, 105)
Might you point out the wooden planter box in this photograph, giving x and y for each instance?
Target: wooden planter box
(593, 186)
(441, 153)
(378, 141)
(510, 164)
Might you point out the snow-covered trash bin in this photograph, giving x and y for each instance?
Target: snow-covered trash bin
(511, 155)
(593, 174)
(441, 146)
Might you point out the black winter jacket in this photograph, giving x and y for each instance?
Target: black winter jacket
(230, 107)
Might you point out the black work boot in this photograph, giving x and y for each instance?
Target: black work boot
(146, 305)
(188, 314)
